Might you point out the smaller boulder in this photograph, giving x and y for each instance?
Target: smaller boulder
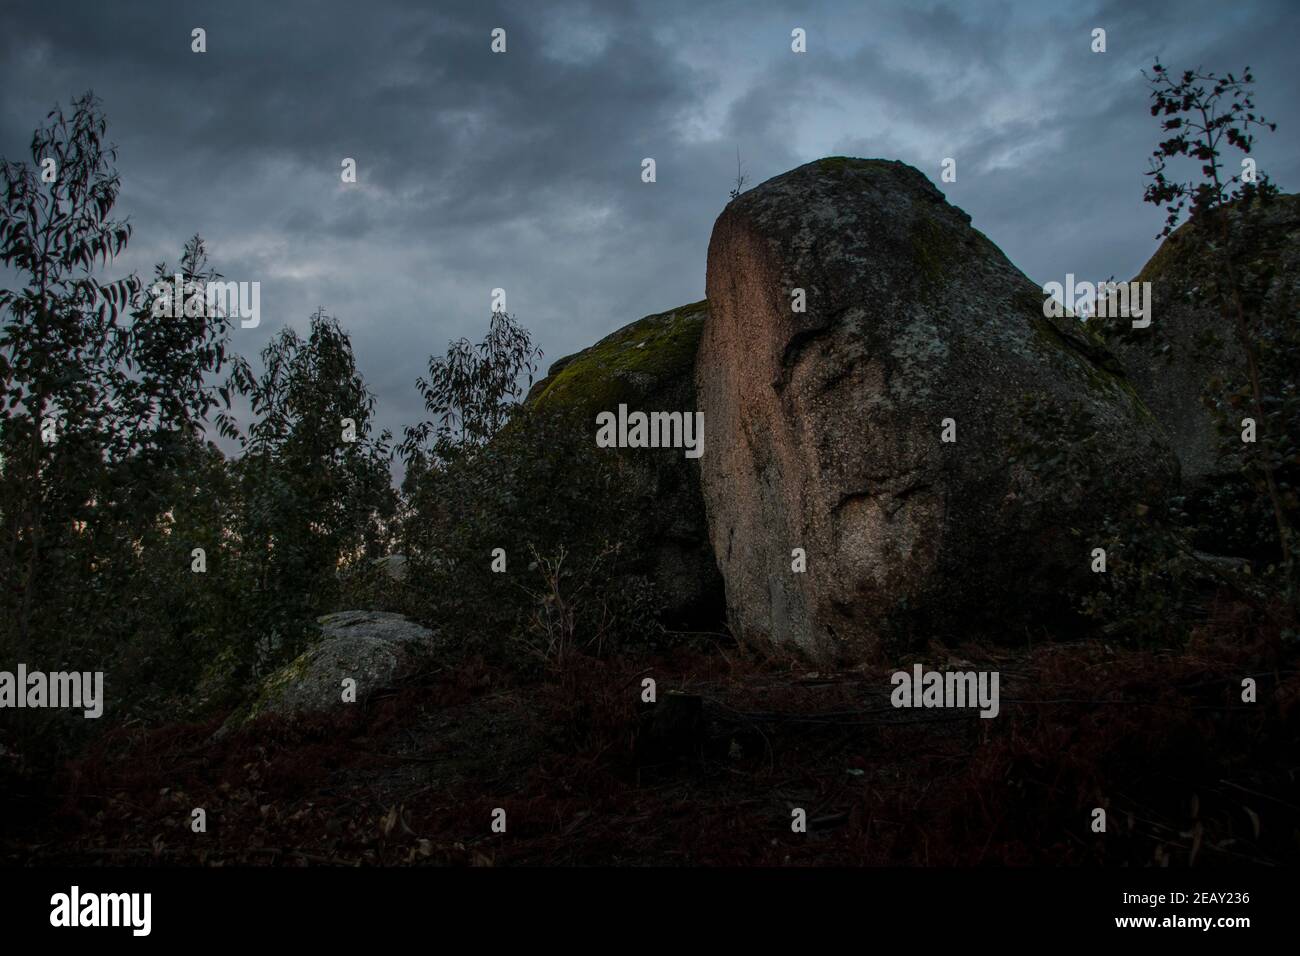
(374, 648)
(649, 365)
(1192, 349)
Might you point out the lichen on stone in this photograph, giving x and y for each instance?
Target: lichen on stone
(655, 349)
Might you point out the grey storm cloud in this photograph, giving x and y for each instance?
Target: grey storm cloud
(522, 170)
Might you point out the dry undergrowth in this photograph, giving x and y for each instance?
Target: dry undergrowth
(1188, 773)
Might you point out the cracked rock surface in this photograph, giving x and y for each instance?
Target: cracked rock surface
(824, 426)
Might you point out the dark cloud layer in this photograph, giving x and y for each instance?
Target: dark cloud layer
(523, 170)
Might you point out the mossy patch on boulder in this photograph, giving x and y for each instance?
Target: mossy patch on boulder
(650, 357)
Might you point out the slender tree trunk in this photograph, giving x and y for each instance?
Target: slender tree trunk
(35, 516)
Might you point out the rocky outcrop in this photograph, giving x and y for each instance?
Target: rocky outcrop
(374, 648)
(649, 365)
(825, 426)
(1191, 348)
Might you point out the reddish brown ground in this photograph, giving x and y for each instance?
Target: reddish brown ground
(1186, 770)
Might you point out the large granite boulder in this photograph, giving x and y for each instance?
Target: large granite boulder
(649, 365)
(1192, 350)
(825, 426)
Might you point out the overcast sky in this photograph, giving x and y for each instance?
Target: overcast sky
(522, 170)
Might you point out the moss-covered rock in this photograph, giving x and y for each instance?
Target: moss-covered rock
(649, 365)
(371, 647)
(650, 359)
